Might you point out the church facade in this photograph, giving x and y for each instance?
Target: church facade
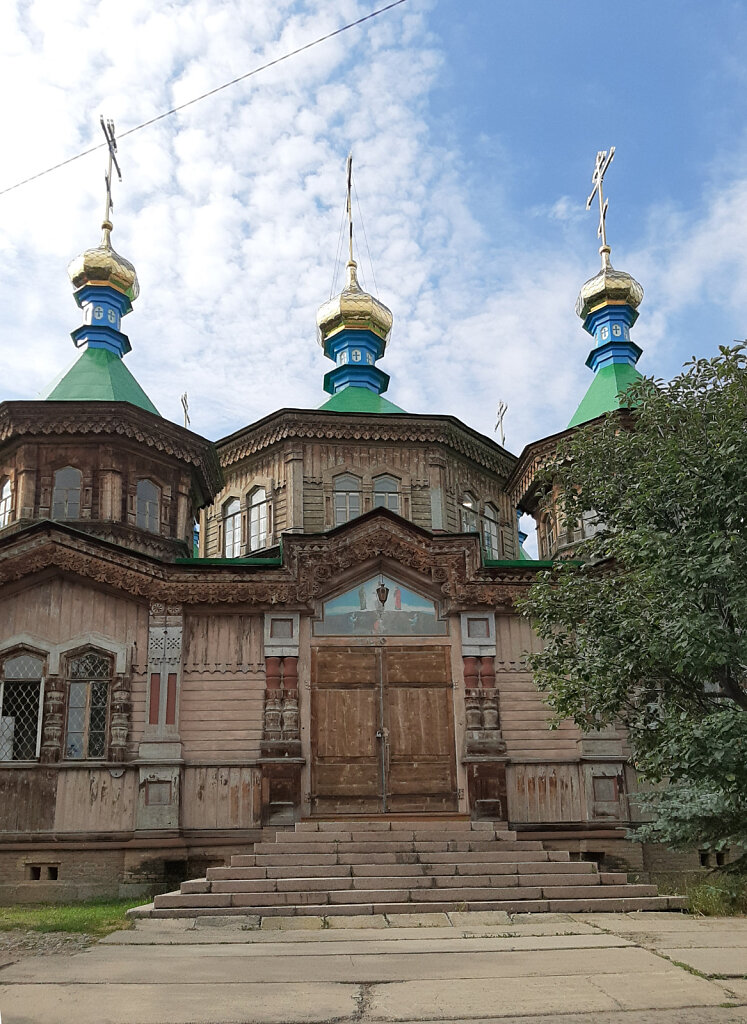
(344, 644)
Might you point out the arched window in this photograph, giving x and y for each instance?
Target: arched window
(347, 498)
(6, 502)
(148, 502)
(259, 519)
(66, 493)
(232, 528)
(88, 678)
(386, 493)
(490, 533)
(21, 699)
(469, 512)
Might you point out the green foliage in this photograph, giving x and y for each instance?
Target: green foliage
(649, 626)
(96, 917)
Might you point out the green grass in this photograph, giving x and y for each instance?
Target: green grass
(97, 917)
(716, 894)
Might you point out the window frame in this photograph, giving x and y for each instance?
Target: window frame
(6, 502)
(148, 514)
(259, 509)
(58, 488)
(387, 493)
(491, 528)
(88, 682)
(232, 520)
(345, 493)
(41, 658)
(469, 512)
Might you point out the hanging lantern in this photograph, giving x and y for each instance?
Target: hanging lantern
(382, 592)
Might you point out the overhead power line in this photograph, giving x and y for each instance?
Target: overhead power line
(210, 92)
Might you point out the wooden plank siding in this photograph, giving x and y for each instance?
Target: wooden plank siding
(91, 800)
(545, 792)
(221, 797)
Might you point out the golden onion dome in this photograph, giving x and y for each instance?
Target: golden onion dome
(353, 308)
(608, 286)
(103, 265)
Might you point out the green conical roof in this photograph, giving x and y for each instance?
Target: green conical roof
(357, 399)
(604, 392)
(98, 375)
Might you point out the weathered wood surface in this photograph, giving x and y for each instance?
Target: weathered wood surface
(92, 800)
(221, 797)
(545, 792)
(404, 694)
(27, 799)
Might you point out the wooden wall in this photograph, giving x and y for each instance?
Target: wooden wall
(223, 683)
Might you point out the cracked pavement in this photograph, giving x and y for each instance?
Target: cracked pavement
(635, 968)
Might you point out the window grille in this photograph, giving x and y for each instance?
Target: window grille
(148, 501)
(87, 706)
(347, 498)
(232, 528)
(490, 533)
(6, 503)
(21, 700)
(259, 519)
(386, 493)
(66, 493)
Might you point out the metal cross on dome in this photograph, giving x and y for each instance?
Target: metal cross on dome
(107, 128)
(604, 159)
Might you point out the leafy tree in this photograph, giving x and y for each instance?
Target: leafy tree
(648, 625)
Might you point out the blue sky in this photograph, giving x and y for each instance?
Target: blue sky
(474, 126)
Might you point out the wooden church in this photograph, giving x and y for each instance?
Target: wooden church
(342, 654)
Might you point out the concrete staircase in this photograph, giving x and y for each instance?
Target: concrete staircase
(389, 867)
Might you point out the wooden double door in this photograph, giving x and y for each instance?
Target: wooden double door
(382, 730)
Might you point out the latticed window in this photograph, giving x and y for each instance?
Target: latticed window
(6, 502)
(490, 533)
(66, 493)
(347, 498)
(21, 698)
(259, 518)
(232, 528)
(148, 503)
(386, 493)
(469, 512)
(87, 705)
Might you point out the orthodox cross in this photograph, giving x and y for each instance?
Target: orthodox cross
(107, 128)
(185, 406)
(502, 410)
(350, 205)
(604, 159)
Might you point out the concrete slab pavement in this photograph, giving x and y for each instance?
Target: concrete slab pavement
(568, 969)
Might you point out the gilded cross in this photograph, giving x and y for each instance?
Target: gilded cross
(350, 204)
(108, 129)
(604, 159)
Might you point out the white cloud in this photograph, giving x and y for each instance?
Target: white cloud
(230, 210)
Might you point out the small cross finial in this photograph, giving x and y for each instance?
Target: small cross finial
(604, 159)
(107, 128)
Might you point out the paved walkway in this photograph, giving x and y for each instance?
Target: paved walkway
(636, 968)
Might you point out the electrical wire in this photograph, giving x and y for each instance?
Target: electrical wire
(211, 92)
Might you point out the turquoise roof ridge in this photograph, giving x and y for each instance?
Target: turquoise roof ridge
(98, 375)
(353, 398)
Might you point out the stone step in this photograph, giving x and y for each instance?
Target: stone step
(398, 836)
(534, 906)
(403, 846)
(496, 856)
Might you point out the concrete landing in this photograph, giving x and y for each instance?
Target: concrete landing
(569, 969)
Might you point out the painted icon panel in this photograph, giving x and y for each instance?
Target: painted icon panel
(359, 612)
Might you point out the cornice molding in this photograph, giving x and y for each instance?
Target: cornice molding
(20, 421)
(311, 566)
(315, 425)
